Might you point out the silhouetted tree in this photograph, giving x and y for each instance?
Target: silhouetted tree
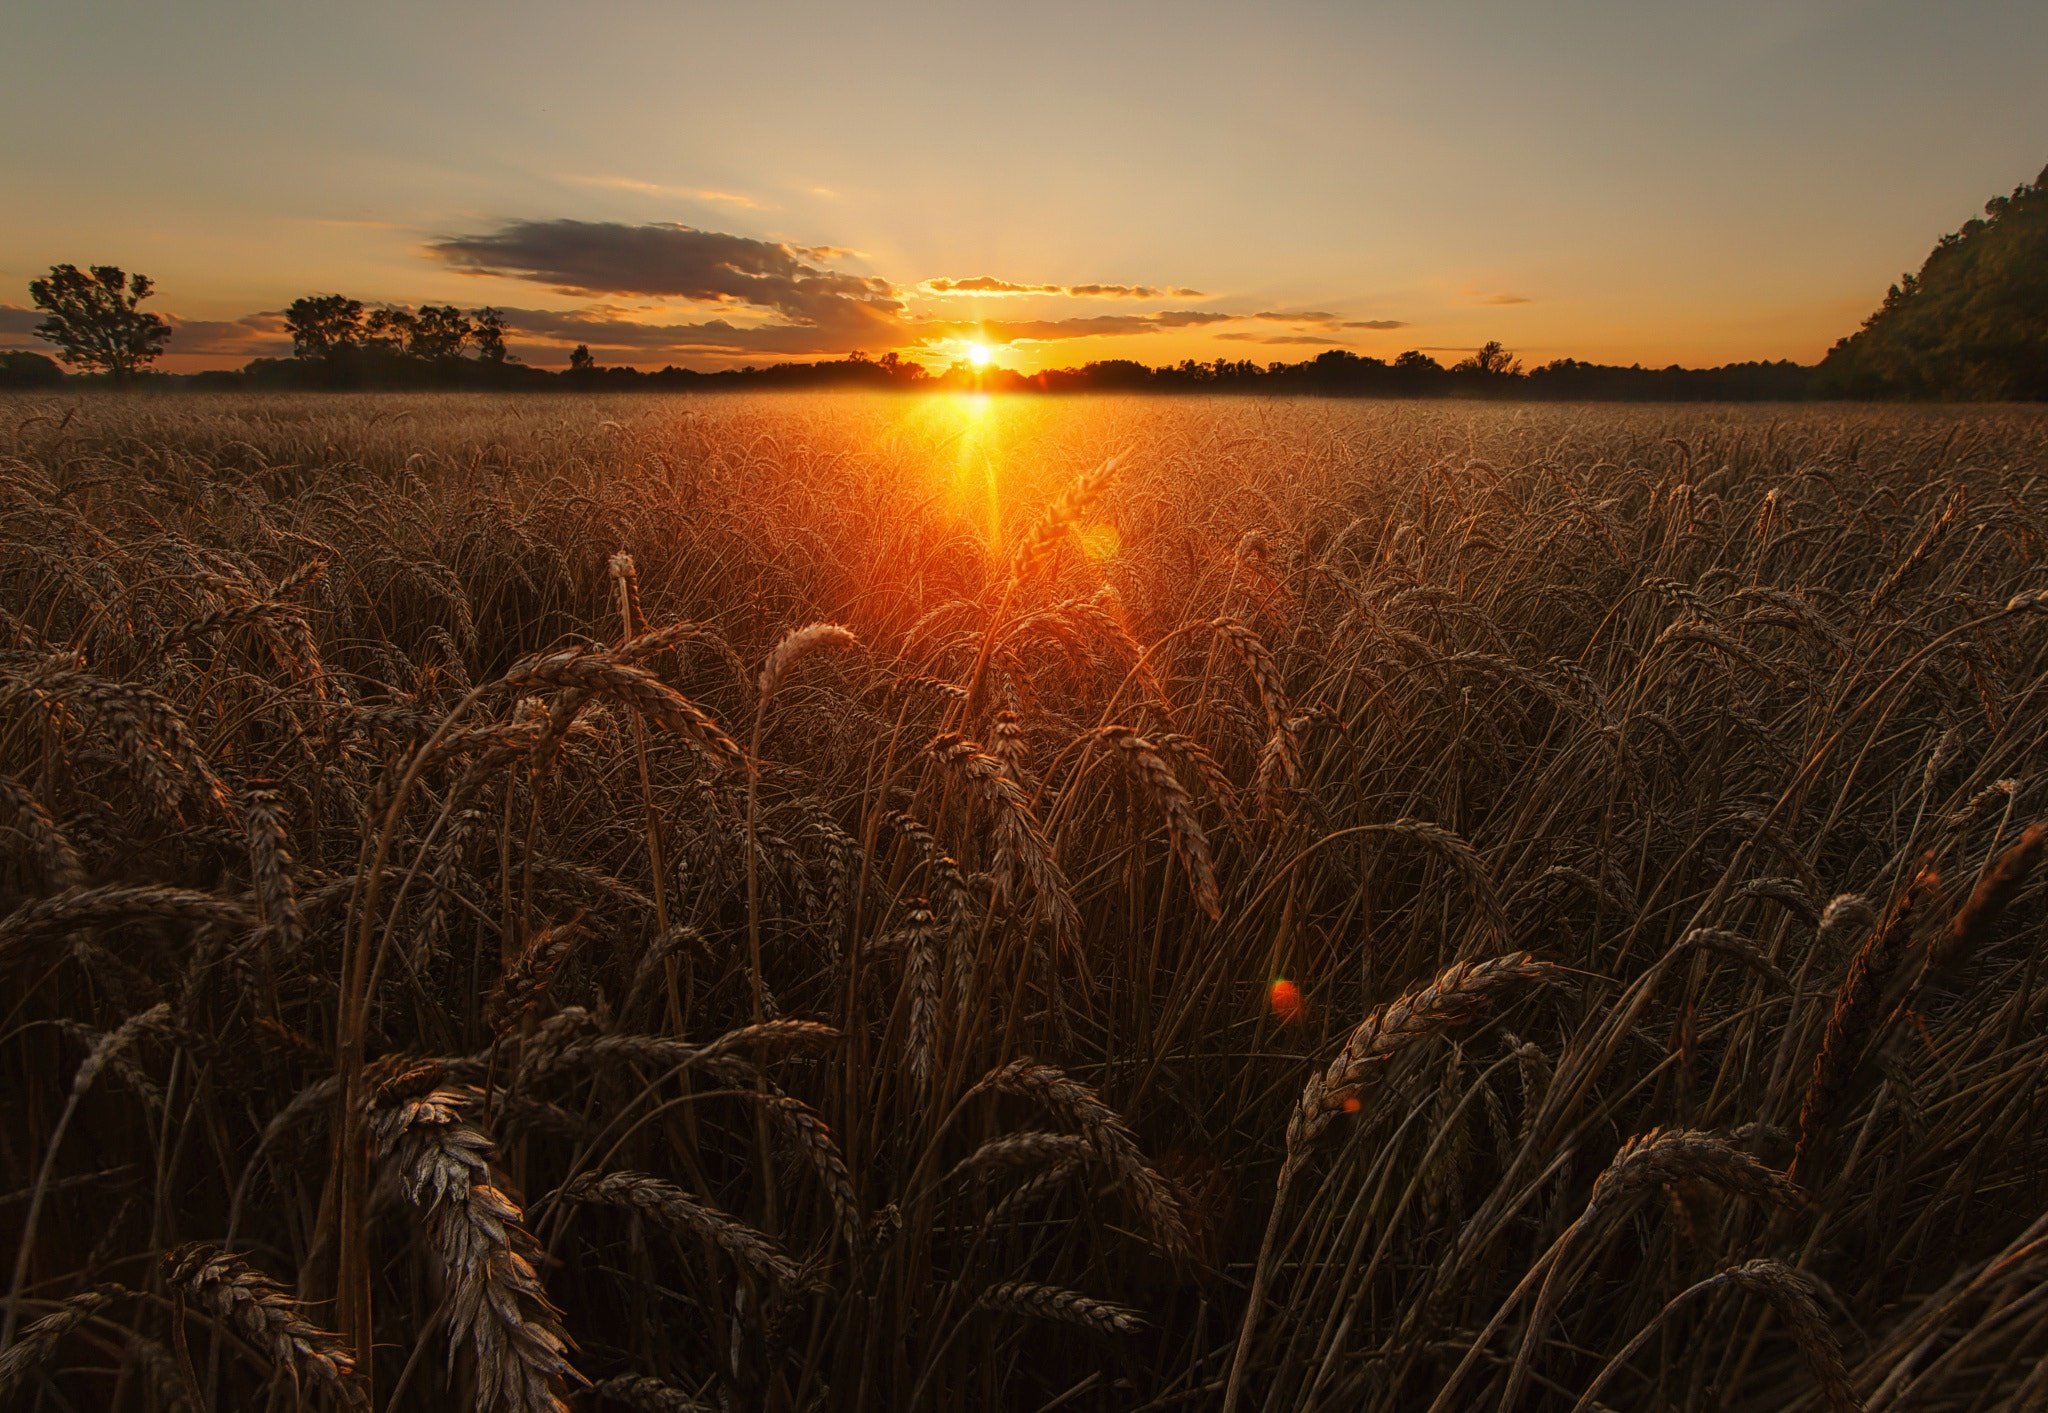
(441, 331)
(580, 360)
(489, 332)
(1490, 360)
(1973, 323)
(389, 330)
(321, 325)
(95, 319)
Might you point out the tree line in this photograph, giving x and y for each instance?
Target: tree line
(1972, 324)
(96, 321)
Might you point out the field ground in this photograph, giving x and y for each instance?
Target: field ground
(1269, 904)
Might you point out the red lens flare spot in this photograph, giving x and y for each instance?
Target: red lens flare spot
(1351, 1104)
(1289, 1005)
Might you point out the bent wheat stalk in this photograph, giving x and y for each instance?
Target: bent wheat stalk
(1461, 994)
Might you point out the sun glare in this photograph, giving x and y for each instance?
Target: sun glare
(979, 354)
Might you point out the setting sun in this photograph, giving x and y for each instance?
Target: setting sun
(979, 354)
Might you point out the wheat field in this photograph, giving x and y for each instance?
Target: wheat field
(845, 902)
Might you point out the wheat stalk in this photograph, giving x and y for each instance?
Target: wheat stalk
(496, 1306)
(1460, 994)
(263, 1312)
(40, 1338)
(676, 1209)
(1051, 1302)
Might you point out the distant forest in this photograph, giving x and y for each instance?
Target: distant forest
(1971, 325)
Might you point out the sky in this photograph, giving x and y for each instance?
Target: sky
(718, 184)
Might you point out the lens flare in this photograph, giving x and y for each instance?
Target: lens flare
(1289, 1005)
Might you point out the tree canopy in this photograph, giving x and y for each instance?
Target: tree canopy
(1972, 324)
(96, 320)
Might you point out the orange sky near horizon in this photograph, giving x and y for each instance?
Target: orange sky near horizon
(711, 186)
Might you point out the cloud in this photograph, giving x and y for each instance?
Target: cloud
(663, 189)
(1324, 319)
(1050, 330)
(251, 336)
(676, 262)
(349, 223)
(1319, 340)
(990, 285)
(603, 328)
(1133, 292)
(1506, 299)
(769, 297)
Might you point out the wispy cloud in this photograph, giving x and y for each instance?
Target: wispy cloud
(1505, 299)
(986, 285)
(1304, 340)
(1049, 330)
(673, 192)
(1323, 319)
(353, 223)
